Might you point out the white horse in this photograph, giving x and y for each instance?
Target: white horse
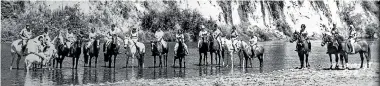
(133, 50)
(33, 45)
(43, 58)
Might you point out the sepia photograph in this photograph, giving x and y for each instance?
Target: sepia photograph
(190, 42)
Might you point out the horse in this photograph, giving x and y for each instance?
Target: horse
(246, 52)
(214, 48)
(62, 51)
(17, 52)
(331, 49)
(133, 50)
(361, 47)
(159, 50)
(75, 51)
(203, 49)
(92, 51)
(180, 55)
(302, 47)
(111, 49)
(42, 58)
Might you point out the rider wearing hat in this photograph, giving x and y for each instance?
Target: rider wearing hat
(202, 34)
(25, 35)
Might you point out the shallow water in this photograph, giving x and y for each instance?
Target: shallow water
(278, 55)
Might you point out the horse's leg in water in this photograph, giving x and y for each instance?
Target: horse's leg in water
(109, 61)
(341, 60)
(166, 60)
(96, 60)
(368, 58)
(76, 62)
(154, 63)
(362, 59)
(211, 56)
(307, 59)
(336, 61)
(200, 59)
(126, 64)
(114, 61)
(174, 61)
(160, 64)
(331, 63)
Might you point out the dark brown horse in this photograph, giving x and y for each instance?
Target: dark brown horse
(203, 49)
(159, 51)
(111, 50)
(336, 50)
(214, 48)
(181, 53)
(75, 51)
(90, 52)
(302, 47)
(62, 51)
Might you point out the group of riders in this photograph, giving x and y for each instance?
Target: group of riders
(216, 33)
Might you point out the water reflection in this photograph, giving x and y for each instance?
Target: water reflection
(179, 72)
(108, 75)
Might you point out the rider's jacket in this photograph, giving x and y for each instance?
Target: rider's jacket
(203, 33)
(25, 34)
(134, 35)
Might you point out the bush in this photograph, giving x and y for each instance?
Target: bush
(371, 30)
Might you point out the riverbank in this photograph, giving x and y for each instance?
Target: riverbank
(292, 77)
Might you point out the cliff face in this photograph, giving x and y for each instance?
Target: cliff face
(278, 17)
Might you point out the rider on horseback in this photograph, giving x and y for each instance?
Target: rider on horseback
(180, 39)
(110, 37)
(202, 34)
(91, 37)
(352, 38)
(335, 33)
(25, 35)
(234, 33)
(217, 33)
(135, 36)
(70, 38)
(159, 37)
(253, 42)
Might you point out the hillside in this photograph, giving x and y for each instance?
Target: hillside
(268, 19)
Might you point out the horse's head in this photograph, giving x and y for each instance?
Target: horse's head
(325, 39)
(295, 36)
(153, 44)
(127, 42)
